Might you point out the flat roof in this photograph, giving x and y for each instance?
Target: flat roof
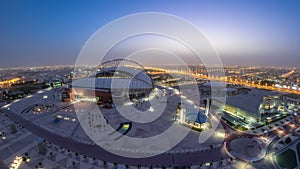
(249, 102)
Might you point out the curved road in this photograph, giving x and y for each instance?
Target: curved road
(94, 151)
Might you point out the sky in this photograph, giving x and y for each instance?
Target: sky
(52, 32)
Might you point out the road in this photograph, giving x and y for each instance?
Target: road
(94, 151)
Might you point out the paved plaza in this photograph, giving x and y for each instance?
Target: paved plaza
(45, 112)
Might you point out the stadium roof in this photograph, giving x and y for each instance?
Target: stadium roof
(138, 74)
(111, 83)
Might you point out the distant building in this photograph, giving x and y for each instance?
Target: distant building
(56, 83)
(294, 98)
(67, 95)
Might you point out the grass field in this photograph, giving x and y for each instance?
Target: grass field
(287, 159)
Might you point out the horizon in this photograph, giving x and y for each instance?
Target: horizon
(72, 66)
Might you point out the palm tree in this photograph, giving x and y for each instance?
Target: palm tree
(40, 165)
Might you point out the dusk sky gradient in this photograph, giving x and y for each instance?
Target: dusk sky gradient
(52, 32)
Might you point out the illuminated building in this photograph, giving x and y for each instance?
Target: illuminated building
(114, 81)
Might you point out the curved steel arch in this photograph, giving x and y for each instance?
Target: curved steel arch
(122, 60)
(116, 62)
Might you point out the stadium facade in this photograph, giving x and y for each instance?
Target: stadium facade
(115, 81)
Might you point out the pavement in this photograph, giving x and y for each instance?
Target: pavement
(94, 151)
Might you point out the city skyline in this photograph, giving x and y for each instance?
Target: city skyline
(149, 84)
(244, 33)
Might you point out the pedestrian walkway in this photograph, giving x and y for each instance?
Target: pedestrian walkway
(15, 140)
(21, 151)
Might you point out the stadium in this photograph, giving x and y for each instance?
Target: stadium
(115, 80)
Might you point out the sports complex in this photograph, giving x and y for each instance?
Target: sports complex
(122, 112)
(69, 117)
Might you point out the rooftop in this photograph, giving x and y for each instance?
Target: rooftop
(111, 83)
(249, 102)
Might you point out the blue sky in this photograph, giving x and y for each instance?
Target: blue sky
(44, 32)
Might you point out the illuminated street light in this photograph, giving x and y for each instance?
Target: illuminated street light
(16, 163)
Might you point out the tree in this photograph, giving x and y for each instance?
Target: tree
(40, 165)
(41, 148)
(13, 129)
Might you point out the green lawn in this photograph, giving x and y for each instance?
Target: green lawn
(287, 159)
(298, 152)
